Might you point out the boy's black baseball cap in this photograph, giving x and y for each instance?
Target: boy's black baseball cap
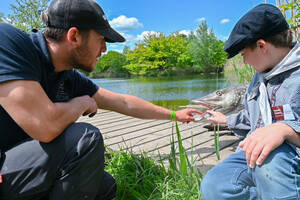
(83, 14)
(262, 21)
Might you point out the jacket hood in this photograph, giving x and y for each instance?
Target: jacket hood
(290, 61)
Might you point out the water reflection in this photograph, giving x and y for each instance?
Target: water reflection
(167, 92)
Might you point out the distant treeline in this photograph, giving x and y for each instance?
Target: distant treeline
(160, 55)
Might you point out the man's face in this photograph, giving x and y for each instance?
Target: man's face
(85, 56)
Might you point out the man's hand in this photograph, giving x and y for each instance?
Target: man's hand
(263, 141)
(186, 115)
(216, 117)
(89, 103)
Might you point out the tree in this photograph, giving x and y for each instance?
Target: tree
(26, 14)
(158, 54)
(206, 50)
(292, 6)
(112, 63)
(126, 49)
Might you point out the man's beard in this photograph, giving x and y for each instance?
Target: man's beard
(80, 59)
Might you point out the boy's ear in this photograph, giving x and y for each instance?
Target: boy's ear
(261, 43)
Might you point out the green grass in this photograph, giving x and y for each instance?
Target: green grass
(217, 140)
(141, 177)
(235, 68)
(245, 73)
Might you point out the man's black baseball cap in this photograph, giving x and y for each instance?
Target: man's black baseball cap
(262, 21)
(83, 14)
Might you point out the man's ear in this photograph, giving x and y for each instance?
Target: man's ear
(73, 37)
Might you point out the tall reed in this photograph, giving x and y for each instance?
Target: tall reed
(217, 140)
(235, 68)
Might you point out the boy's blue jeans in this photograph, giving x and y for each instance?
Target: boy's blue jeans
(278, 178)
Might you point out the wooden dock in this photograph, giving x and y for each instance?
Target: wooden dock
(153, 136)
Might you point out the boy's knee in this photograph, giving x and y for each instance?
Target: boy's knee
(209, 186)
(277, 176)
(276, 164)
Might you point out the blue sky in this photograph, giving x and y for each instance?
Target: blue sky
(135, 18)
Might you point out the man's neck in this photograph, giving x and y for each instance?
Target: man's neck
(60, 55)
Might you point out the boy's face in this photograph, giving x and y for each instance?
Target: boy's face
(255, 58)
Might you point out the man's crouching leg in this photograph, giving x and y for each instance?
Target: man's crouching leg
(69, 167)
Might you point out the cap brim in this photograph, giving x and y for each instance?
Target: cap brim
(231, 55)
(110, 35)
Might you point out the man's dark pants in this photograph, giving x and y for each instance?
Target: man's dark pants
(68, 168)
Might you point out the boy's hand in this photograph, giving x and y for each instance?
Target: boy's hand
(263, 141)
(216, 117)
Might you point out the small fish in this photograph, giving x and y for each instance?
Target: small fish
(204, 115)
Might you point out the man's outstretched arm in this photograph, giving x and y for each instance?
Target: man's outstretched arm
(136, 107)
(29, 106)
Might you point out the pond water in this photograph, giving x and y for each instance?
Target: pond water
(170, 92)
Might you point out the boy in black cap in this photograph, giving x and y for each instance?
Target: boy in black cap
(46, 155)
(267, 163)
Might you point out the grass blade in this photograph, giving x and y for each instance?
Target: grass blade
(217, 140)
(182, 154)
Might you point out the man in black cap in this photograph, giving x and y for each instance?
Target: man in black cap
(267, 162)
(45, 154)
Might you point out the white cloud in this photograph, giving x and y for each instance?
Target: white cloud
(128, 37)
(125, 24)
(113, 45)
(185, 32)
(224, 21)
(200, 20)
(222, 37)
(146, 33)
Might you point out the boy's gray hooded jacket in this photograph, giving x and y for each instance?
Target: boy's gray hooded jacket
(283, 89)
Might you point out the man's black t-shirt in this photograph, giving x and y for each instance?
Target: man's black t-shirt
(26, 57)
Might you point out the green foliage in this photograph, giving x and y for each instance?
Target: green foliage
(217, 140)
(294, 8)
(236, 69)
(158, 54)
(206, 50)
(141, 177)
(136, 175)
(112, 62)
(244, 73)
(26, 14)
(126, 49)
(1, 17)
